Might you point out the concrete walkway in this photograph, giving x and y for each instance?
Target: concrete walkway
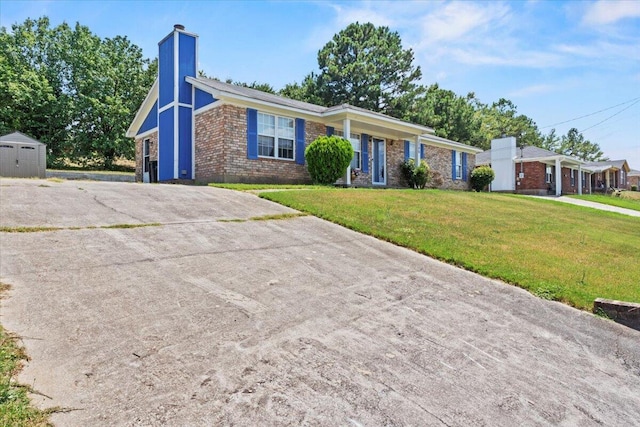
(207, 316)
(594, 205)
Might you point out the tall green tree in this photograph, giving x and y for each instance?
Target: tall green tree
(307, 91)
(366, 66)
(450, 115)
(72, 90)
(502, 118)
(575, 145)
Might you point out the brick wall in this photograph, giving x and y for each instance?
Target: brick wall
(534, 180)
(153, 152)
(221, 150)
(567, 188)
(439, 160)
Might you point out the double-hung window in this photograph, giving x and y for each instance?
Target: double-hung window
(549, 174)
(458, 164)
(275, 136)
(354, 138)
(412, 154)
(573, 178)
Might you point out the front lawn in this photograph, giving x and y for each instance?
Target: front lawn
(556, 251)
(627, 199)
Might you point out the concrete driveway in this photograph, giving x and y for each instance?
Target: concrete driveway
(292, 321)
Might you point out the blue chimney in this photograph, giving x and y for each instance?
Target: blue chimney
(176, 60)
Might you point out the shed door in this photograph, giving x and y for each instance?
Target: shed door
(8, 160)
(27, 161)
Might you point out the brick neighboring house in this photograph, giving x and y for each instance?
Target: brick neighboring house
(194, 129)
(609, 174)
(634, 179)
(534, 170)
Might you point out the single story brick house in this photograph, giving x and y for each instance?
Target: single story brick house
(534, 170)
(195, 129)
(609, 174)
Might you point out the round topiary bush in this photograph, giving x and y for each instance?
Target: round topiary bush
(328, 158)
(481, 177)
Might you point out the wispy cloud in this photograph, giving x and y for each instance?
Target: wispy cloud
(609, 12)
(455, 21)
(537, 89)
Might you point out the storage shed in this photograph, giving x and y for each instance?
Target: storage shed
(22, 156)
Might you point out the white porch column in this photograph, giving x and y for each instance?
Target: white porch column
(579, 179)
(418, 150)
(607, 179)
(346, 134)
(558, 178)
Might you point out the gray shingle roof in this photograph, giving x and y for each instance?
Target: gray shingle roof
(607, 163)
(528, 152)
(260, 95)
(18, 137)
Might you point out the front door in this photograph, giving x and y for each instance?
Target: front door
(145, 161)
(379, 162)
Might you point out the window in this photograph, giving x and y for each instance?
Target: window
(275, 136)
(354, 138)
(621, 177)
(573, 178)
(412, 151)
(458, 164)
(584, 179)
(549, 174)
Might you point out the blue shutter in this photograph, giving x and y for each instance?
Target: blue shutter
(330, 130)
(300, 141)
(406, 151)
(364, 142)
(453, 165)
(464, 166)
(421, 151)
(252, 133)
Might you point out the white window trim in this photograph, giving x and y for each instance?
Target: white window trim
(549, 174)
(458, 164)
(573, 178)
(412, 150)
(276, 138)
(353, 137)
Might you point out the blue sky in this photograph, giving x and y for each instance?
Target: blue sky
(555, 60)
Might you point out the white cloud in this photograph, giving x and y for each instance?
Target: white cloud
(456, 20)
(609, 12)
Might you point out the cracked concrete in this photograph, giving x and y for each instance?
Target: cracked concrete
(286, 322)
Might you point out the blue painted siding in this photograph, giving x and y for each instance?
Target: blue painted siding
(203, 98)
(165, 72)
(165, 145)
(300, 141)
(151, 121)
(252, 133)
(364, 144)
(184, 145)
(186, 66)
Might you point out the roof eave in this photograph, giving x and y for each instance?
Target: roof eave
(143, 111)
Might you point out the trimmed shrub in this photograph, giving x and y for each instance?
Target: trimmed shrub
(415, 176)
(328, 158)
(481, 177)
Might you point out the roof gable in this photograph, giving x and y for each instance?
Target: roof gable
(19, 137)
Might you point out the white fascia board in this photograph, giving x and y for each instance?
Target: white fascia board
(550, 159)
(143, 111)
(450, 145)
(214, 104)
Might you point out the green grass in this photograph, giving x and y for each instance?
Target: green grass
(556, 251)
(628, 199)
(15, 407)
(258, 187)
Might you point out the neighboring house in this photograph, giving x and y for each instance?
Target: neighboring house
(634, 179)
(534, 170)
(195, 129)
(22, 156)
(609, 174)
